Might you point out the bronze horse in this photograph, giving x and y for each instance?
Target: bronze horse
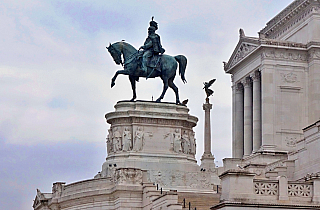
(168, 66)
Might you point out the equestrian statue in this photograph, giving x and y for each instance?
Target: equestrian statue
(149, 62)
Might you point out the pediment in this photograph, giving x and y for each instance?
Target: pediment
(40, 198)
(243, 49)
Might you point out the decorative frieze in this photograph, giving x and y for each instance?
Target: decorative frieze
(284, 55)
(197, 180)
(314, 54)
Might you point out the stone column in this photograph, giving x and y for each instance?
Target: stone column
(247, 134)
(256, 115)
(207, 159)
(237, 143)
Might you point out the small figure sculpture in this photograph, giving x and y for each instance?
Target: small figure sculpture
(138, 140)
(177, 141)
(116, 140)
(192, 142)
(152, 45)
(185, 142)
(208, 91)
(109, 142)
(127, 140)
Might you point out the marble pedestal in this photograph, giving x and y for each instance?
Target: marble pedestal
(158, 138)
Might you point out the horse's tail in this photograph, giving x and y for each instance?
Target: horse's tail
(182, 60)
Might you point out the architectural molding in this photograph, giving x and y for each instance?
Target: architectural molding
(281, 54)
(289, 18)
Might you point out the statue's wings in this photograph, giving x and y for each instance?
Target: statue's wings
(211, 82)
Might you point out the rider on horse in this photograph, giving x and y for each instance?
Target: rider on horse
(152, 45)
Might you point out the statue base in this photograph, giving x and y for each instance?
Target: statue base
(158, 138)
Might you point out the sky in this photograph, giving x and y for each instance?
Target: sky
(55, 76)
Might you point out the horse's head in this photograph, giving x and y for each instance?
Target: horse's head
(115, 53)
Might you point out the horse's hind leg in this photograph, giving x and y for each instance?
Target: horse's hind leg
(165, 87)
(175, 89)
(133, 86)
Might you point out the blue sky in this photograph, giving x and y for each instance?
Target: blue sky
(55, 79)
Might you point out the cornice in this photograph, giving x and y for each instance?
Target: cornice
(248, 45)
(295, 13)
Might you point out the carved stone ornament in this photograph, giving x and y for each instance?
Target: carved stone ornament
(289, 77)
(285, 55)
(262, 188)
(274, 165)
(185, 142)
(255, 76)
(177, 140)
(127, 140)
(127, 176)
(314, 54)
(57, 189)
(299, 190)
(199, 180)
(116, 140)
(291, 141)
(311, 176)
(242, 52)
(138, 140)
(239, 87)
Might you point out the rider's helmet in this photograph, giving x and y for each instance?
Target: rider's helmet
(153, 24)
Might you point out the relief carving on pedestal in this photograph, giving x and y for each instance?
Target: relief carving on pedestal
(193, 145)
(116, 140)
(109, 142)
(127, 140)
(185, 142)
(128, 176)
(177, 140)
(138, 140)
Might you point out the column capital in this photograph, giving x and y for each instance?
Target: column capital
(238, 87)
(207, 106)
(255, 76)
(246, 81)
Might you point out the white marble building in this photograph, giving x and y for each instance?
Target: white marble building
(275, 160)
(276, 108)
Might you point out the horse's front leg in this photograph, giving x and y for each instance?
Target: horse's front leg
(133, 86)
(113, 80)
(165, 87)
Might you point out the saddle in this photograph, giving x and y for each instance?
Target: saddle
(154, 62)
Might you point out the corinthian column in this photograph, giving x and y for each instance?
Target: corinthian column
(247, 116)
(207, 159)
(256, 111)
(237, 143)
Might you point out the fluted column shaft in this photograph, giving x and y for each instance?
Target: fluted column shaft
(207, 128)
(256, 83)
(247, 116)
(238, 136)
